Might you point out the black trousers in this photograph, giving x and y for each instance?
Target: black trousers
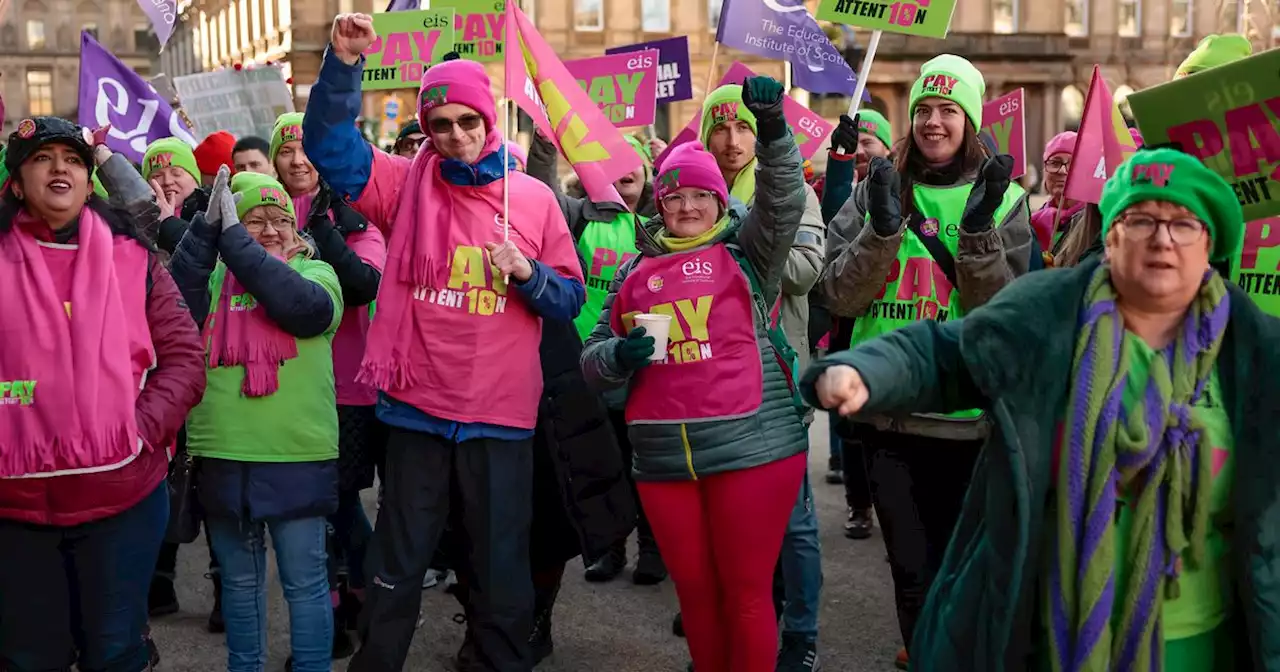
(493, 482)
(918, 485)
(857, 483)
(645, 533)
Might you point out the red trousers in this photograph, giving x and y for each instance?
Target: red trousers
(720, 537)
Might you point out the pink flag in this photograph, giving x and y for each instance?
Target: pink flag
(1102, 144)
(538, 82)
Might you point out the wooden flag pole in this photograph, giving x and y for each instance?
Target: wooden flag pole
(861, 87)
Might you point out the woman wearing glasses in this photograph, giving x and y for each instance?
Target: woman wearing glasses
(1124, 514)
(1054, 217)
(718, 438)
(267, 429)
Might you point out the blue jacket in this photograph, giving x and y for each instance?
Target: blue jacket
(243, 490)
(344, 159)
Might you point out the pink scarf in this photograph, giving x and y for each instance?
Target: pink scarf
(1049, 218)
(69, 386)
(416, 257)
(247, 337)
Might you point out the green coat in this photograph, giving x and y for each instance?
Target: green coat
(1013, 357)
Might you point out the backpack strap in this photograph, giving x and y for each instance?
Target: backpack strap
(786, 355)
(935, 246)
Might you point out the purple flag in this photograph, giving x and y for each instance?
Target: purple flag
(163, 15)
(787, 32)
(112, 93)
(402, 6)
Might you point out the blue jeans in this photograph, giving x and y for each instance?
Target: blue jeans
(802, 568)
(302, 561)
(80, 589)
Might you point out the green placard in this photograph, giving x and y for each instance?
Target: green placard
(408, 43)
(926, 18)
(478, 27)
(1227, 117)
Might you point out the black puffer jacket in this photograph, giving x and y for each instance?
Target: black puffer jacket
(582, 502)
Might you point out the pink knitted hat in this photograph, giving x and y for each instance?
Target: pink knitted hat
(458, 81)
(1062, 142)
(519, 152)
(689, 165)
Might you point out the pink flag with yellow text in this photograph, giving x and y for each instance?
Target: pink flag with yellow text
(1103, 143)
(538, 82)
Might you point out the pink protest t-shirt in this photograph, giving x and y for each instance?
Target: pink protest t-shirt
(348, 342)
(477, 337)
(713, 369)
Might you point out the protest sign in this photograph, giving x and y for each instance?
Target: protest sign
(241, 102)
(113, 94)
(1258, 272)
(1227, 117)
(478, 27)
(1004, 120)
(675, 82)
(538, 82)
(1102, 144)
(925, 18)
(624, 85)
(770, 29)
(407, 44)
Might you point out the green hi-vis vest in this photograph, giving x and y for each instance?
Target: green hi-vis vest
(916, 288)
(604, 247)
(1257, 271)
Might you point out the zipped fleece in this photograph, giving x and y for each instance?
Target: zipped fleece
(687, 451)
(1013, 358)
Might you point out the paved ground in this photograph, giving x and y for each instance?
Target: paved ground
(616, 627)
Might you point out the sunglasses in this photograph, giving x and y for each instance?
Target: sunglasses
(467, 122)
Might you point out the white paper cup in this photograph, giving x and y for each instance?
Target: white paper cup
(659, 327)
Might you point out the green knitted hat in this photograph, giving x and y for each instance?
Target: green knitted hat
(724, 104)
(642, 148)
(1215, 50)
(1174, 177)
(870, 121)
(288, 127)
(257, 189)
(955, 79)
(167, 152)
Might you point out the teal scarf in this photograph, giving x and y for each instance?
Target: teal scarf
(1156, 453)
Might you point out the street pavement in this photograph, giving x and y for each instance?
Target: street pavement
(614, 627)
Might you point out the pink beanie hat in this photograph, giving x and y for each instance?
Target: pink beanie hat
(519, 152)
(1137, 138)
(1062, 142)
(457, 81)
(689, 165)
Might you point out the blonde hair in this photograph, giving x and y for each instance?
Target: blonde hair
(301, 243)
(1080, 236)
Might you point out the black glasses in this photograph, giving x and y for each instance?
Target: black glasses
(1182, 231)
(1057, 166)
(467, 122)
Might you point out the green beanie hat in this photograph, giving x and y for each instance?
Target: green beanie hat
(722, 105)
(167, 152)
(288, 128)
(642, 148)
(955, 79)
(870, 121)
(1215, 50)
(256, 189)
(1174, 177)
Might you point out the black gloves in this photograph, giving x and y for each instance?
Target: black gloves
(844, 140)
(763, 97)
(987, 194)
(344, 218)
(450, 56)
(883, 203)
(634, 351)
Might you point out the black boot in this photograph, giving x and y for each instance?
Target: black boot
(342, 644)
(609, 565)
(677, 625)
(216, 624)
(650, 569)
(161, 599)
(544, 602)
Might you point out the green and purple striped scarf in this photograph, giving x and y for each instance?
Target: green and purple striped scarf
(1157, 453)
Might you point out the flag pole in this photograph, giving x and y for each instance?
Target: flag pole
(786, 77)
(861, 86)
(711, 70)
